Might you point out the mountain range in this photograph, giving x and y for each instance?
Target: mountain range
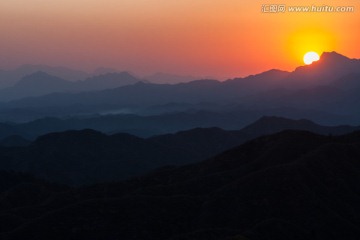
(329, 87)
(288, 186)
(41, 83)
(86, 156)
(9, 78)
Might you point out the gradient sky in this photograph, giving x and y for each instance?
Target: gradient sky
(220, 38)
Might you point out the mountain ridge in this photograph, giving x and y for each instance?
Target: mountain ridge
(41, 83)
(327, 87)
(290, 185)
(87, 156)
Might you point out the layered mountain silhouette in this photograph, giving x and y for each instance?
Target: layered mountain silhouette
(42, 83)
(106, 81)
(80, 157)
(36, 84)
(87, 156)
(329, 86)
(147, 126)
(271, 125)
(9, 78)
(291, 185)
(331, 67)
(143, 126)
(112, 156)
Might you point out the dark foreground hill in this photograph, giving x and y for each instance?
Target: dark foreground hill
(80, 157)
(271, 124)
(87, 156)
(288, 186)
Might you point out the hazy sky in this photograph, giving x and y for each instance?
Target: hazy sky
(222, 38)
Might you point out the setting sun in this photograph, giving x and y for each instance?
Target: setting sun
(311, 57)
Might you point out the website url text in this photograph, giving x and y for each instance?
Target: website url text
(282, 8)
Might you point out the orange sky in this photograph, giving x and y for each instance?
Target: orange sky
(198, 37)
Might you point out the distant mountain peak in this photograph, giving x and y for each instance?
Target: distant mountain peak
(39, 76)
(39, 83)
(330, 60)
(274, 70)
(108, 81)
(272, 124)
(333, 56)
(329, 68)
(273, 74)
(61, 72)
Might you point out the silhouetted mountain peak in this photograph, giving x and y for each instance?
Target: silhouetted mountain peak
(107, 81)
(267, 76)
(273, 73)
(333, 56)
(267, 80)
(61, 72)
(270, 124)
(329, 68)
(39, 77)
(329, 61)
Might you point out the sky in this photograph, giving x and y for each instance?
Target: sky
(217, 38)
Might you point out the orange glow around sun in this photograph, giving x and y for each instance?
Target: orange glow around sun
(316, 40)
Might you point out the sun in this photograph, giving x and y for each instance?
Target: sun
(311, 57)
